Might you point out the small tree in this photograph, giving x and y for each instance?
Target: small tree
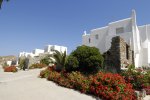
(71, 63)
(131, 67)
(89, 58)
(45, 60)
(60, 59)
(22, 62)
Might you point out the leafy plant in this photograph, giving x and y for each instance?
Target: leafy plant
(5, 65)
(72, 63)
(89, 58)
(138, 78)
(60, 59)
(10, 69)
(22, 62)
(37, 65)
(1, 1)
(131, 67)
(45, 60)
(45, 73)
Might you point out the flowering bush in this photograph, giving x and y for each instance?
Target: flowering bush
(110, 86)
(79, 82)
(37, 65)
(10, 69)
(138, 78)
(45, 73)
(107, 86)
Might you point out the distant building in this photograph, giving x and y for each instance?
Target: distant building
(9, 63)
(138, 37)
(50, 48)
(37, 54)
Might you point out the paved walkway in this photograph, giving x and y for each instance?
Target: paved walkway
(25, 85)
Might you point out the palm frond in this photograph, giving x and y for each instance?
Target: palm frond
(1, 1)
(60, 58)
(63, 58)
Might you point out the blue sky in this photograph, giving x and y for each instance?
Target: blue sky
(29, 24)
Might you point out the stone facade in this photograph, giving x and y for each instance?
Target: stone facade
(33, 60)
(119, 55)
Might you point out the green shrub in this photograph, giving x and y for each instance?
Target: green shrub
(71, 63)
(131, 67)
(10, 69)
(140, 79)
(45, 73)
(45, 60)
(22, 62)
(5, 65)
(60, 59)
(37, 65)
(89, 58)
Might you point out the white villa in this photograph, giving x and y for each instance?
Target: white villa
(49, 49)
(37, 54)
(138, 37)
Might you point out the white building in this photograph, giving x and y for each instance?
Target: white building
(26, 54)
(9, 63)
(50, 49)
(36, 52)
(138, 37)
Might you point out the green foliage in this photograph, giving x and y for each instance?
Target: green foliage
(89, 58)
(138, 78)
(5, 65)
(37, 65)
(45, 60)
(1, 1)
(45, 73)
(60, 59)
(71, 63)
(131, 67)
(22, 62)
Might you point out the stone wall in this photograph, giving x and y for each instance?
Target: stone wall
(118, 56)
(34, 60)
(28, 61)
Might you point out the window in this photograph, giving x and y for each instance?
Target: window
(52, 48)
(89, 40)
(96, 36)
(119, 30)
(127, 51)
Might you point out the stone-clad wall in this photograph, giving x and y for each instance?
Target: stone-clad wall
(32, 60)
(119, 55)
